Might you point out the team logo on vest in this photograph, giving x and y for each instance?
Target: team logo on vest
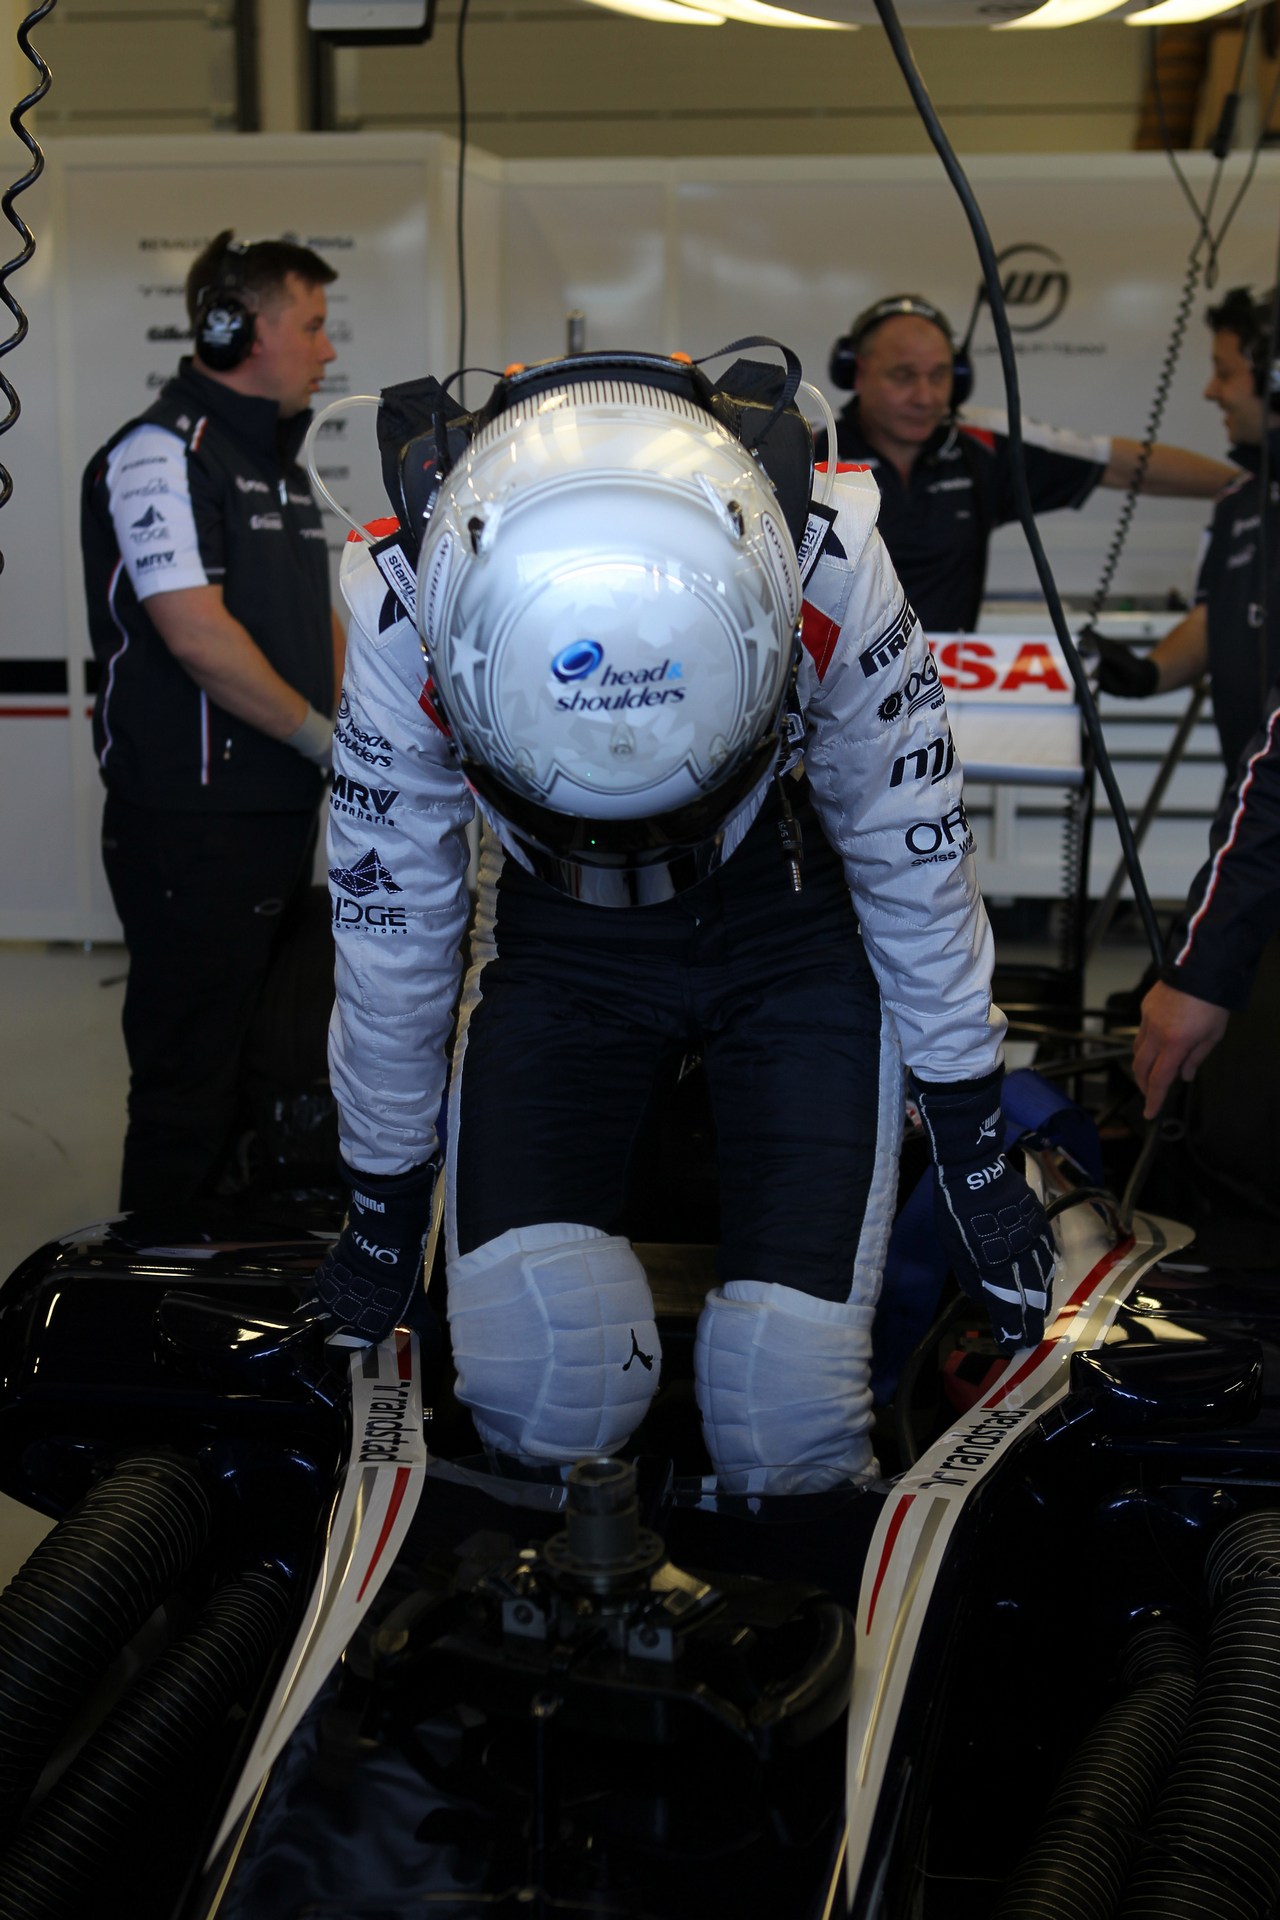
(149, 526)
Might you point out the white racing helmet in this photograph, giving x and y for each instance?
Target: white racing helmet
(609, 599)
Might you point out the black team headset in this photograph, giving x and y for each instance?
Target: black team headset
(843, 365)
(223, 324)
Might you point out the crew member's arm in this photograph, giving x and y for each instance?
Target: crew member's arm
(1176, 661)
(225, 661)
(1183, 655)
(1170, 470)
(1233, 909)
(1177, 1033)
(169, 521)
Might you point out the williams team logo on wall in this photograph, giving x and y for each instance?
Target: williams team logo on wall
(1035, 285)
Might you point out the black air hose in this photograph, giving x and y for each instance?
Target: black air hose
(1212, 1849)
(1077, 1863)
(114, 1783)
(80, 1598)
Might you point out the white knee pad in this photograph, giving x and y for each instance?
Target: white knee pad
(554, 1341)
(783, 1383)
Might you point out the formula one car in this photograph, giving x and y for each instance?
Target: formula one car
(281, 1640)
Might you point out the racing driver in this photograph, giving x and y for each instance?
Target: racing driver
(722, 811)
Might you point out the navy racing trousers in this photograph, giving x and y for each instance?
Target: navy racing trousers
(570, 1012)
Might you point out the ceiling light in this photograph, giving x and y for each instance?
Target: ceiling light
(1177, 13)
(1065, 13)
(668, 13)
(753, 13)
(749, 13)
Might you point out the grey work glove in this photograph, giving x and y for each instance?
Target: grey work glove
(313, 739)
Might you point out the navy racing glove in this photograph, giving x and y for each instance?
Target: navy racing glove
(365, 1282)
(992, 1226)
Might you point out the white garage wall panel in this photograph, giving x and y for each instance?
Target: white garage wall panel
(692, 254)
(119, 223)
(657, 254)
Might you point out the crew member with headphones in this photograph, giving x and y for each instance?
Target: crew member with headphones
(945, 478)
(219, 659)
(1225, 634)
(1221, 975)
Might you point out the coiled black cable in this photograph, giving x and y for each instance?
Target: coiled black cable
(19, 225)
(1160, 399)
(1077, 842)
(1201, 263)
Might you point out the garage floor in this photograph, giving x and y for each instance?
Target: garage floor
(64, 1083)
(65, 1078)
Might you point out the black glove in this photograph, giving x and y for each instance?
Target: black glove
(1123, 671)
(368, 1277)
(993, 1228)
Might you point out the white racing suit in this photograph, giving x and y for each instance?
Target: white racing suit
(802, 1006)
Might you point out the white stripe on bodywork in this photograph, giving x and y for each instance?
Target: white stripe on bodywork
(376, 1501)
(914, 1532)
